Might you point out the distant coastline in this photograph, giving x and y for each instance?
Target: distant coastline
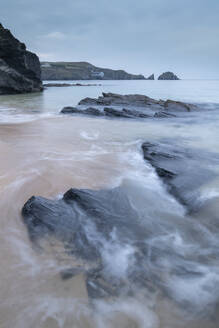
(68, 71)
(84, 71)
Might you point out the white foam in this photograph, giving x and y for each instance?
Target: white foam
(92, 135)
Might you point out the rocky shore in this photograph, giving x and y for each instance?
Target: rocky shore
(19, 69)
(84, 221)
(128, 106)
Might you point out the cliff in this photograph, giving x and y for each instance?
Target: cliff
(83, 71)
(19, 69)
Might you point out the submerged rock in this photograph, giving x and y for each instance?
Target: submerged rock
(168, 76)
(86, 222)
(19, 69)
(177, 167)
(106, 112)
(66, 218)
(126, 113)
(87, 111)
(112, 112)
(163, 115)
(178, 106)
(127, 243)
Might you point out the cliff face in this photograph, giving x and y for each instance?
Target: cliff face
(83, 71)
(19, 69)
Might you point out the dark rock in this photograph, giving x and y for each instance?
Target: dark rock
(19, 69)
(177, 167)
(71, 272)
(163, 115)
(146, 106)
(88, 101)
(92, 111)
(70, 110)
(165, 174)
(93, 225)
(114, 99)
(107, 111)
(112, 112)
(178, 106)
(99, 287)
(88, 111)
(66, 218)
(151, 77)
(86, 222)
(135, 113)
(168, 76)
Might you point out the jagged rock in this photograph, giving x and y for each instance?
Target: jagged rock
(19, 69)
(146, 106)
(94, 225)
(126, 113)
(168, 76)
(70, 110)
(87, 111)
(135, 113)
(178, 106)
(86, 222)
(163, 115)
(108, 99)
(172, 164)
(151, 77)
(107, 112)
(112, 112)
(68, 218)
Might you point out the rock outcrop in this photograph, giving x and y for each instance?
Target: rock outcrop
(83, 71)
(95, 225)
(108, 99)
(85, 221)
(168, 76)
(178, 106)
(19, 69)
(151, 77)
(177, 168)
(128, 106)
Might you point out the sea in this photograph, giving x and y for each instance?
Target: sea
(45, 153)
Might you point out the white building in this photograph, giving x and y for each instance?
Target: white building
(98, 75)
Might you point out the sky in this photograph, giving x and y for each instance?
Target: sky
(139, 36)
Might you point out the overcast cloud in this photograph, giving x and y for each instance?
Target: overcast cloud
(140, 36)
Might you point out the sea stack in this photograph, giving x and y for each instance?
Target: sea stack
(19, 69)
(168, 76)
(151, 77)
